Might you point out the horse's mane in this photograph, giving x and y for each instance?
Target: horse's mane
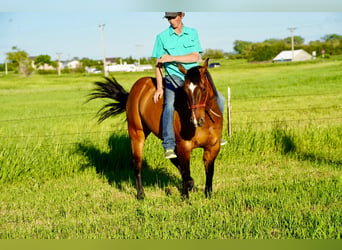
(211, 82)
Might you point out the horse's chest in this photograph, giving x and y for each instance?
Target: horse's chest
(206, 136)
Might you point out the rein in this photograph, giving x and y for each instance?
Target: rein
(204, 104)
(194, 106)
(200, 105)
(161, 72)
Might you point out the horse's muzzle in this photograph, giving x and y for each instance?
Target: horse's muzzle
(197, 122)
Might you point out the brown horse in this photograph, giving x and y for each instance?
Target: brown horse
(197, 120)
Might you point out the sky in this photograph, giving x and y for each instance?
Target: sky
(131, 32)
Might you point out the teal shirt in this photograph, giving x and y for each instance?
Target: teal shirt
(169, 42)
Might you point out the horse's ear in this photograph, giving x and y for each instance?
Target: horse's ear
(182, 69)
(205, 65)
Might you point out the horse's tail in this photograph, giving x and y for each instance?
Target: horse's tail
(110, 89)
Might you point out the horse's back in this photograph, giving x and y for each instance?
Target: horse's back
(142, 113)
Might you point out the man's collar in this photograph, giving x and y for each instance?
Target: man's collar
(184, 30)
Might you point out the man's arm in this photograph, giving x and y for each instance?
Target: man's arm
(189, 58)
(159, 77)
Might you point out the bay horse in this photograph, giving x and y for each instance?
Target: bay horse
(197, 120)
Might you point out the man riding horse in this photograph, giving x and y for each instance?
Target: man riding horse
(192, 119)
(176, 44)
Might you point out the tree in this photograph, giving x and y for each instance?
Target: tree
(41, 60)
(330, 44)
(86, 62)
(331, 37)
(21, 61)
(333, 44)
(242, 47)
(297, 40)
(130, 60)
(273, 41)
(213, 53)
(263, 52)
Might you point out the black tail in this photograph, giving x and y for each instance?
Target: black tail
(113, 90)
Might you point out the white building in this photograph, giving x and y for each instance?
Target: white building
(74, 64)
(128, 67)
(298, 55)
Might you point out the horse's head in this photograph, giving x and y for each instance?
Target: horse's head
(197, 87)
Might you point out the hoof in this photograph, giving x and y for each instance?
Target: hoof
(208, 193)
(140, 196)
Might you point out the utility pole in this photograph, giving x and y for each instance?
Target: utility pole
(59, 63)
(6, 72)
(292, 41)
(103, 50)
(139, 46)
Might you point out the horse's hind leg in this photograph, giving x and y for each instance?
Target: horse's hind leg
(137, 145)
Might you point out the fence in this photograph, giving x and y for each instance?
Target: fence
(230, 117)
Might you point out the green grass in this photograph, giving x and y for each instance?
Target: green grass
(63, 176)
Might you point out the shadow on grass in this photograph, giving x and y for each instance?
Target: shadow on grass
(285, 143)
(117, 167)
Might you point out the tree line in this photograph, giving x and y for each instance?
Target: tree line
(270, 48)
(19, 61)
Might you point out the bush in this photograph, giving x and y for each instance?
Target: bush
(213, 54)
(47, 72)
(265, 52)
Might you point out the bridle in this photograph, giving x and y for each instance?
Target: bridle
(204, 103)
(201, 105)
(192, 107)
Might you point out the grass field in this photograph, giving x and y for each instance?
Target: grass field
(63, 176)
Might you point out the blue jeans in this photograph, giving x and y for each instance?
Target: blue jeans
(170, 90)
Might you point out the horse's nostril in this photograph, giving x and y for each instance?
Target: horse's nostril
(194, 122)
(200, 122)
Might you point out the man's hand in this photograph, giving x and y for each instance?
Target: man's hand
(158, 95)
(165, 58)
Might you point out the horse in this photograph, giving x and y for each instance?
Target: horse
(197, 121)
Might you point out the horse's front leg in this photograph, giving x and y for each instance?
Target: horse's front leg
(209, 157)
(209, 172)
(183, 164)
